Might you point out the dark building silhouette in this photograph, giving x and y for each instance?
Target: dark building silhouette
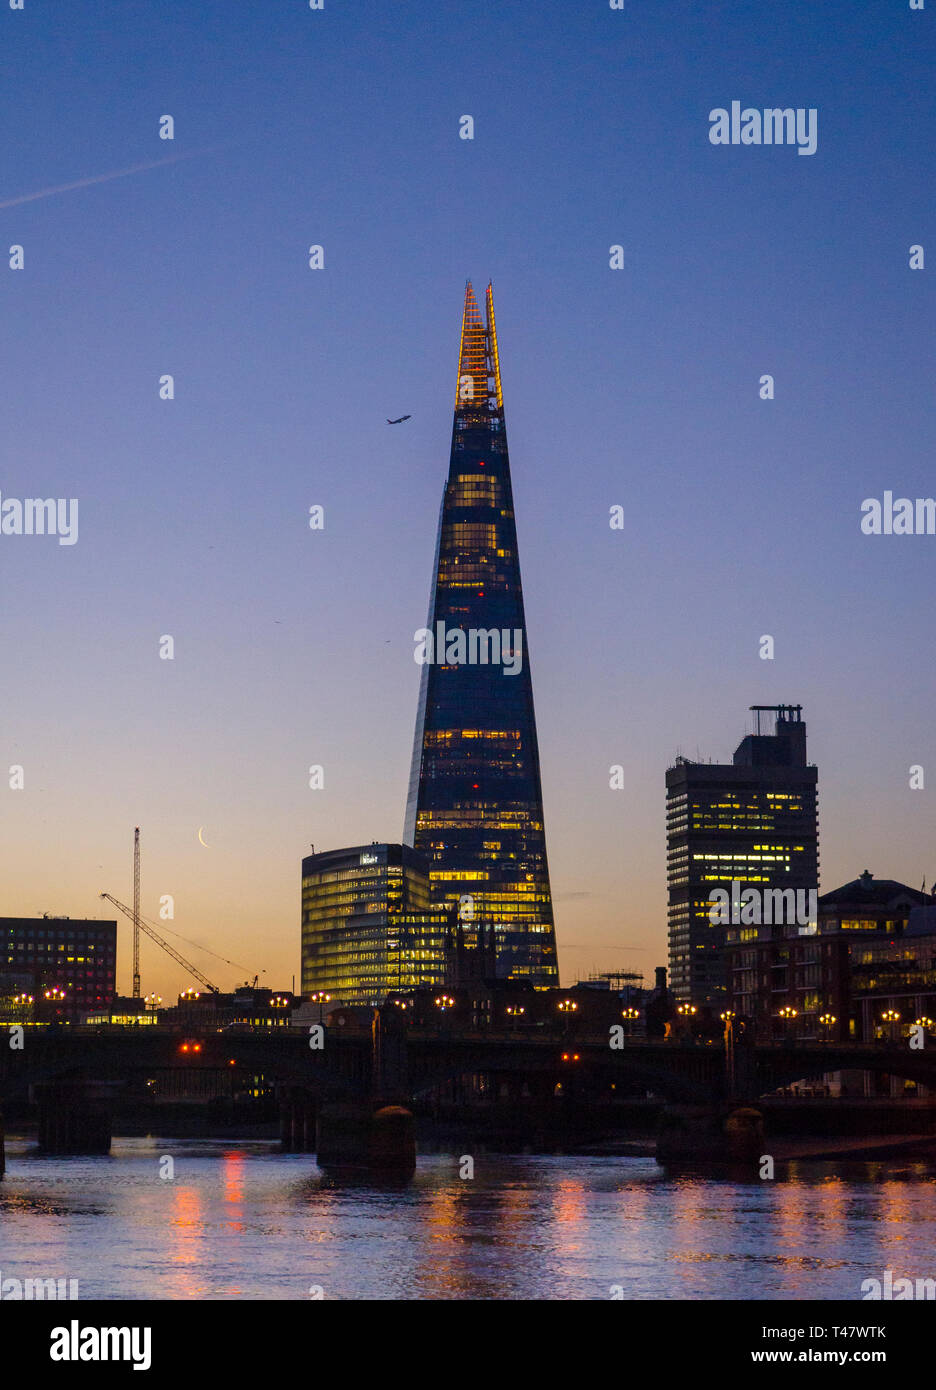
(660, 1006)
(751, 823)
(869, 904)
(790, 987)
(247, 1007)
(475, 805)
(867, 974)
(71, 960)
(892, 972)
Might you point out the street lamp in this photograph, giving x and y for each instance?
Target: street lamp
(443, 1003)
(685, 1012)
(320, 998)
(788, 1014)
(55, 997)
(153, 1001)
(567, 1008)
(891, 1017)
(828, 1021)
(24, 1001)
(631, 1015)
(278, 1001)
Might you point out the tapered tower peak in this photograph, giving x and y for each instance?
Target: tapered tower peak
(478, 388)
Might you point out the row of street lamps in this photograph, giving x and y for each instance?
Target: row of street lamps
(788, 1014)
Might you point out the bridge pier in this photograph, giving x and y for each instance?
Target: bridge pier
(374, 1139)
(708, 1134)
(376, 1136)
(297, 1121)
(75, 1116)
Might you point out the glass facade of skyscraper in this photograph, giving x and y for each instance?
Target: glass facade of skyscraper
(368, 927)
(475, 805)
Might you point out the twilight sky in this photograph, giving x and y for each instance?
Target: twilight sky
(637, 387)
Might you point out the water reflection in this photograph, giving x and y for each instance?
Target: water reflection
(244, 1221)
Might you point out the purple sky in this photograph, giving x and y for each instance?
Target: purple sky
(637, 387)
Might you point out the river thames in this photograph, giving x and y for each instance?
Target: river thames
(243, 1221)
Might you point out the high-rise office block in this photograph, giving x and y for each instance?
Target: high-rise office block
(68, 961)
(475, 805)
(368, 927)
(748, 824)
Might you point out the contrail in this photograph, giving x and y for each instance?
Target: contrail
(98, 178)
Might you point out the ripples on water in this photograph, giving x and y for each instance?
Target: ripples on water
(243, 1221)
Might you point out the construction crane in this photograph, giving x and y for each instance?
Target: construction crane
(136, 913)
(140, 925)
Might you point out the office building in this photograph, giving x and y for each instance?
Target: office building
(70, 963)
(368, 925)
(475, 806)
(867, 970)
(734, 827)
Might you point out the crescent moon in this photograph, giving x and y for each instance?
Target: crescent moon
(200, 840)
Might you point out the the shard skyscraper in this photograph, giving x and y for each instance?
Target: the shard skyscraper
(475, 805)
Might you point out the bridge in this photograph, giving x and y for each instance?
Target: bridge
(82, 1071)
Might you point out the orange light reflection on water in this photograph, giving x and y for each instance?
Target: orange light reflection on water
(232, 1175)
(187, 1233)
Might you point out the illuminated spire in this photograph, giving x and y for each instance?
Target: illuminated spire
(471, 387)
(478, 389)
(492, 346)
